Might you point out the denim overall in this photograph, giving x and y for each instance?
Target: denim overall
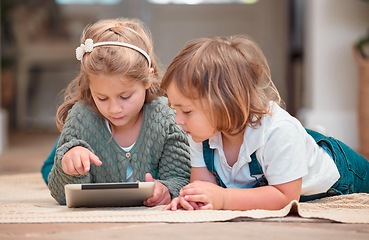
(353, 168)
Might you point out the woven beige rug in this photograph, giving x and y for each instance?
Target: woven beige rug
(24, 198)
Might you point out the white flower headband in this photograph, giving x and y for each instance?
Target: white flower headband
(89, 45)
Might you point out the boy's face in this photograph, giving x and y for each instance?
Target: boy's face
(190, 115)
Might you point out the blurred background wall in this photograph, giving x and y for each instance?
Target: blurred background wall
(308, 44)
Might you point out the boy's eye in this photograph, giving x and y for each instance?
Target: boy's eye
(186, 112)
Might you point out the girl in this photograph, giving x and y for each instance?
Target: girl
(114, 125)
(246, 151)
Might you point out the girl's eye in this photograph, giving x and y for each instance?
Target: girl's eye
(125, 97)
(186, 112)
(102, 99)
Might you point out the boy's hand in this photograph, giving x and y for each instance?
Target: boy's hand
(161, 195)
(207, 195)
(77, 161)
(181, 203)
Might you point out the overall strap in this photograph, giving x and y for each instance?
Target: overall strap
(322, 140)
(255, 169)
(254, 165)
(209, 161)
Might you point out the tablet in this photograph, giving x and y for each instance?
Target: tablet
(126, 194)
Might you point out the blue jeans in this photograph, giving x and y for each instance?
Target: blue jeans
(353, 168)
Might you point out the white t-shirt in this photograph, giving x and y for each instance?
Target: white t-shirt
(284, 150)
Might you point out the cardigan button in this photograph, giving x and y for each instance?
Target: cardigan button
(128, 155)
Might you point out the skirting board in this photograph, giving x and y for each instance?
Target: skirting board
(3, 130)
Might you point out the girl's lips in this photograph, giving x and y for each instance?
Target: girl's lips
(118, 118)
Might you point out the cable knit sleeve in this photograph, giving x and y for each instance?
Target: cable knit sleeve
(69, 138)
(174, 166)
(174, 163)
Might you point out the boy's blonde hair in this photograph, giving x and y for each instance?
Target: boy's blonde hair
(230, 75)
(108, 60)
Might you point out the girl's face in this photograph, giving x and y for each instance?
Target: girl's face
(190, 115)
(118, 98)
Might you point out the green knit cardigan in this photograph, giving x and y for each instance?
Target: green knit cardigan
(161, 149)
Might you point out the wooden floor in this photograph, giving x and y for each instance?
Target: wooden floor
(27, 151)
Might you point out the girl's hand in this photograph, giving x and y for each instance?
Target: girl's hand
(161, 195)
(206, 195)
(77, 161)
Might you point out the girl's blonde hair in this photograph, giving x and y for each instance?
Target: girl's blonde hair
(113, 60)
(230, 75)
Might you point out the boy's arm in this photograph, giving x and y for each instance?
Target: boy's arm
(266, 197)
(202, 174)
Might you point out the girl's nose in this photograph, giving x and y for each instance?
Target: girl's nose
(115, 107)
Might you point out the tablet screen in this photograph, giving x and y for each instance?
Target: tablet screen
(108, 194)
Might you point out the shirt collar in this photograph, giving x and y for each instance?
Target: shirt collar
(253, 139)
(216, 141)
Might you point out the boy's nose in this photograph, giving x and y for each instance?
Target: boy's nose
(179, 120)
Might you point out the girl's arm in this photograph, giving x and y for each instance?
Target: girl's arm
(68, 139)
(174, 165)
